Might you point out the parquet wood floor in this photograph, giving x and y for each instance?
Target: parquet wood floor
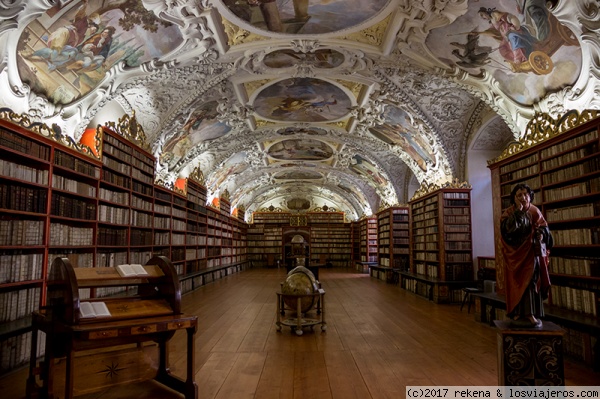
(379, 339)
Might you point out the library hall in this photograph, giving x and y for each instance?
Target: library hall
(299, 199)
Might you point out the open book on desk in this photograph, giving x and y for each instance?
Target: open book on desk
(90, 310)
(131, 270)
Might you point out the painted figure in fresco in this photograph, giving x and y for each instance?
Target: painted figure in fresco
(62, 43)
(95, 50)
(536, 12)
(293, 104)
(526, 244)
(473, 55)
(516, 42)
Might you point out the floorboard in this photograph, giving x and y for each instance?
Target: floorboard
(379, 339)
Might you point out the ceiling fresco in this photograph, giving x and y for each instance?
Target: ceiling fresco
(304, 17)
(520, 42)
(302, 100)
(66, 55)
(303, 104)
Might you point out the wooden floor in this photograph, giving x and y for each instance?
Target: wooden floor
(379, 339)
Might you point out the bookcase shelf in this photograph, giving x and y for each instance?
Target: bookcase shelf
(329, 239)
(393, 241)
(564, 172)
(440, 245)
(56, 202)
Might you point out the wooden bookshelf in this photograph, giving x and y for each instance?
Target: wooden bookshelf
(265, 245)
(57, 202)
(563, 169)
(441, 260)
(355, 241)
(393, 240)
(329, 239)
(368, 239)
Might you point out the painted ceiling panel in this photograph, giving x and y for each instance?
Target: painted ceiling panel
(347, 104)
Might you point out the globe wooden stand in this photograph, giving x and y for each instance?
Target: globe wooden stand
(301, 320)
(530, 356)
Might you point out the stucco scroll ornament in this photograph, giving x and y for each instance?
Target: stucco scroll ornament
(343, 159)
(371, 114)
(305, 46)
(233, 114)
(255, 158)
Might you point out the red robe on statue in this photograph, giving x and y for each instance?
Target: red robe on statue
(520, 259)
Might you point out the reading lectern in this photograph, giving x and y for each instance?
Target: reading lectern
(146, 308)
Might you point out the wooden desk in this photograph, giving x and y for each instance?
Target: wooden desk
(64, 340)
(151, 313)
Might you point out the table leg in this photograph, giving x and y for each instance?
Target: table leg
(191, 387)
(299, 316)
(70, 374)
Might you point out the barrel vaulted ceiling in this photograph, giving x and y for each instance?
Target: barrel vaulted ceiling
(303, 104)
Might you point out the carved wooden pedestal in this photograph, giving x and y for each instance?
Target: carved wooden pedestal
(530, 356)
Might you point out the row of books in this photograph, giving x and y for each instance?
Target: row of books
(122, 198)
(589, 210)
(461, 202)
(114, 215)
(116, 166)
(145, 165)
(142, 188)
(20, 198)
(139, 175)
(460, 195)
(67, 235)
(459, 256)
(575, 266)
(534, 182)
(457, 236)
(582, 236)
(192, 239)
(569, 157)
(466, 219)
(23, 144)
(75, 208)
(572, 172)
(567, 145)
(15, 305)
(111, 236)
(578, 344)
(572, 190)
(22, 172)
(119, 180)
(17, 267)
(15, 351)
(62, 183)
(519, 173)
(575, 299)
(18, 232)
(457, 211)
(68, 161)
(114, 151)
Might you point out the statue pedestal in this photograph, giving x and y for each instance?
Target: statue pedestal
(530, 356)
